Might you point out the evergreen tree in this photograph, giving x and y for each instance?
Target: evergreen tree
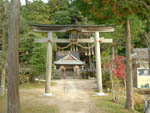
(117, 11)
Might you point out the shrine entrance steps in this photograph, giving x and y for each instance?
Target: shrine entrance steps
(69, 74)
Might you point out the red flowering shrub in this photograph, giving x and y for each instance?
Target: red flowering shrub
(118, 67)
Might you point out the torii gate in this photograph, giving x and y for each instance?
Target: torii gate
(64, 28)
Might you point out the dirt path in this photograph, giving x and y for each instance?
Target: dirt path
(69, 96)
(73, 96)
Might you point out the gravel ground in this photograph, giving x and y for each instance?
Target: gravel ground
(73, 96)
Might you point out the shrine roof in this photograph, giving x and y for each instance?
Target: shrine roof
(141, 53)
(65, 28)
(60, 54)
(69, 62)
(69, 59)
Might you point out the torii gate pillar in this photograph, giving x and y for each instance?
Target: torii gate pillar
(98, 65)
(49, 66)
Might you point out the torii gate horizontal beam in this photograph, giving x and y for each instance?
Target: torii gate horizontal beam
(56, 40)
(65, 28)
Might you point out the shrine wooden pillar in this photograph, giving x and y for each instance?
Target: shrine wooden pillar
(49, 66)
(98, 63)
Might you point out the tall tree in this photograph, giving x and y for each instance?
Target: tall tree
(117, 11)
(40, 14)
(13, 59)
(4, 47)
(26, 2)
(129, 81)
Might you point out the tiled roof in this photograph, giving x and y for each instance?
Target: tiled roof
(60, 55)
(142, 53)
(69, 62)
(69, 59)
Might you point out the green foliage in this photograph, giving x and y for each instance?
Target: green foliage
(113, 11)
(106, 77)
(62, 17)
(38, 58)
(36, 12)
(116, 12)
(62, 12)
(33, 56)
(26, 49)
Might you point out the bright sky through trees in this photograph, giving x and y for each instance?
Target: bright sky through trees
(23, 1)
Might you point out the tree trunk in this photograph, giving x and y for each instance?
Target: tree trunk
(124, 83)
(129, 89)
(26, 2)
(111, 75)
(4, 49)
(13, 59)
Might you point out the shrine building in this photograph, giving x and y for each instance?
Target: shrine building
(67, 60)
(141, 70)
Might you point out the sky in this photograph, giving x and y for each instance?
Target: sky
(23, 1)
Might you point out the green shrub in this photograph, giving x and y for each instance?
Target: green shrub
(84, 74)
(23, 79)
(108, 84)
(138, 102)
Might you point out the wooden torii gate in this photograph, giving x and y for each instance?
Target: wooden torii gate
(64, 28)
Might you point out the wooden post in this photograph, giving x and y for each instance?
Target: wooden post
(98, 63)
(129, 80)
(49, 66)
(13, 59)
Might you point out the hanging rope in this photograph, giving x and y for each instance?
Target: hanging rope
(75, 43)
(85, 47)
(64, 47)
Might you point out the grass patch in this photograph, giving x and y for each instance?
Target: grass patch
(34, 85)
(3, 104)
(30, 102)
(2, 97)
(39, 108)
(106, 105)
(29, 106)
